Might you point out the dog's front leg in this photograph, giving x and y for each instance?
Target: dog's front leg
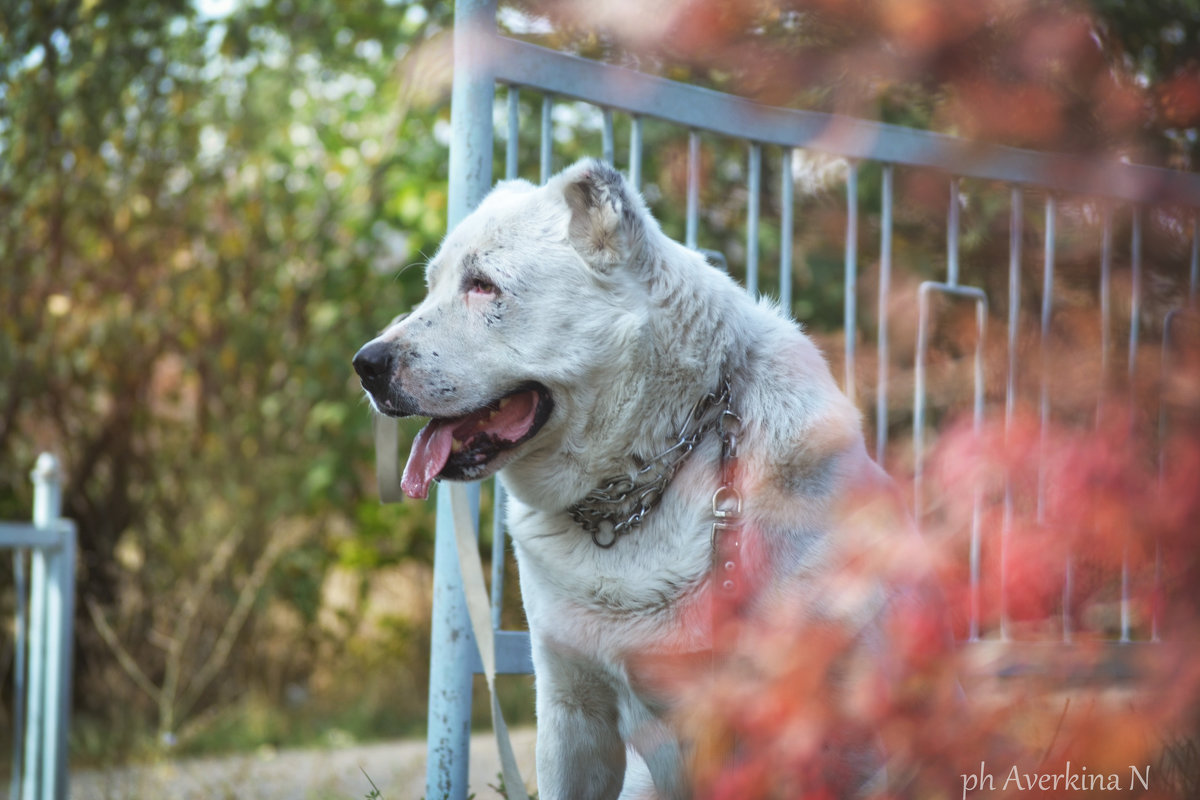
(580, 755)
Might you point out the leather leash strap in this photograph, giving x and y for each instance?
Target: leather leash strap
(387, 471)
(387, 463)
(480, 612)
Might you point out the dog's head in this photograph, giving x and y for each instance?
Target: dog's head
(529, 296)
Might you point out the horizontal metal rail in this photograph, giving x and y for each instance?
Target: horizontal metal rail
(24, 535)
(513, 654)
(516, 62)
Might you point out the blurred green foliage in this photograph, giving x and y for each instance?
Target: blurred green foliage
(205, 214)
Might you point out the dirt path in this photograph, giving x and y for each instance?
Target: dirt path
(397, 769)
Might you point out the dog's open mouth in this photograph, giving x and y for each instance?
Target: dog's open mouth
(461, 448)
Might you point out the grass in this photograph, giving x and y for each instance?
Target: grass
(499, 787)
(374, 794)
(256, 724)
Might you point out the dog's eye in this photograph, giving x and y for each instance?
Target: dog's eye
(482, 286)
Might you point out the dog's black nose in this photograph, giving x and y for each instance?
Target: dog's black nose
(373, 363)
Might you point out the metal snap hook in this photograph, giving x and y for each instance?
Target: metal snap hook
(726, 502)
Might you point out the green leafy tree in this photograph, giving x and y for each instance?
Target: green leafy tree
(205, 215)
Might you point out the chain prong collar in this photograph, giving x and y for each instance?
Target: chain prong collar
(621, 503)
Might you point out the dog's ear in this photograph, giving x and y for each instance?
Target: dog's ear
(606, 217)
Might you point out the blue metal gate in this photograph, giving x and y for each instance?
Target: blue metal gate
(483, 59)
(44, 573)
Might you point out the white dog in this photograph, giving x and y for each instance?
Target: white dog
(627, 389)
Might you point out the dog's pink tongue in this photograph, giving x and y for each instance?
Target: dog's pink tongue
(430, 451)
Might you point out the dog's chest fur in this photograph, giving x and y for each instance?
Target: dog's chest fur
(643, 593)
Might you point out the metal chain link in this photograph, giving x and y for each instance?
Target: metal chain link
(622, 502)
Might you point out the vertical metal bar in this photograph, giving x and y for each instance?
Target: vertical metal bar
(470, 166)
(606, 137)
(21, 587)
(453, 652)
(952, 279)
(547, 151)
(67, 563)
(1135, 315)
(693, 189)
(45, 742)
(754, 187)
(1135, 293)
(850, 311)
(1105, 297)
(1125, 611)
(1044, 402)
(1155, 611)
(512, 151)
(973, 564)
(635, 152)
(1015, 226)
(497, 552)
(1105, 350)
(47, 509)
(452, 645)
(60, 605)
(1194, 272)
(977, 499)
(952, 234)
(919, 400)
(787, 186)
(33, 776)
(885, 289)
(1044, 389)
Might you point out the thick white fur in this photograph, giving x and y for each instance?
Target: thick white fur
(628, 329)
